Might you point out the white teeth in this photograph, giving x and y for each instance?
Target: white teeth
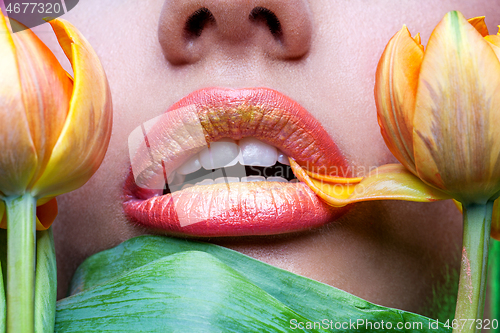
(206, 182)
(175, 179)
(187, 186)
(253, 179)
(282, 158)
(256, 152)
(220, 154)
(235, 160)
(190, 166)
(222, 180)
(226, 152)
(277, 179)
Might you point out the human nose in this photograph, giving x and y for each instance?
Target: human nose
(190, 30)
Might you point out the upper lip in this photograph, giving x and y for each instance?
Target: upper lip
(262, 113)
(219, 113)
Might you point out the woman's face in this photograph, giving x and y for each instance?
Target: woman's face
(323, 55)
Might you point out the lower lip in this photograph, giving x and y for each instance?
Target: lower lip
(240, 209)
(234, 209)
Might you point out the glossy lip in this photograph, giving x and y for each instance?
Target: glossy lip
(240, 209)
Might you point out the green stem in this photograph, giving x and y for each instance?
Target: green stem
(472, 281)
(21, 218)
(494, 279)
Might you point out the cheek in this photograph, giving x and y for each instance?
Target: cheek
(343, 79)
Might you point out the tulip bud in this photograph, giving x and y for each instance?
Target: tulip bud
(439, 110)
(54, 130)
(439, 113)
(53, 136)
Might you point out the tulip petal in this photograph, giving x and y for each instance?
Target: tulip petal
(418, 40)
(46, 93)
(456, 143)
(388, 182)
(85, 136)
(494, 41)
(395, 89)
(18, 159)
(46, 214)
(334, 179)
(479, 24)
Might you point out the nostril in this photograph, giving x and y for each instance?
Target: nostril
(264, 15)
(197, 22)
(191, 30)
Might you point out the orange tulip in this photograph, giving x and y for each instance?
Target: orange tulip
(54, 130)
(54, 133)
(439, 109)
(439, 114)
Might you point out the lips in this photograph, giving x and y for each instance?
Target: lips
(231, 209)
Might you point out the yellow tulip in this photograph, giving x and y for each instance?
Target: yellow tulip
(54, 130)
(439, 114)
(439, 109)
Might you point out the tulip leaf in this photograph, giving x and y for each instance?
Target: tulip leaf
(3, 254)
(494, 279)
(3, 309)
(153, 283)
(45, 282)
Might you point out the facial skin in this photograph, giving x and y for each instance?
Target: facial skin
(390, 253)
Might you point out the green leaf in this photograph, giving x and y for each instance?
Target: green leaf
(3, 309)
(168, 296)
(160, 284)
(3, 254)
(45, 282)
(494, 281)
